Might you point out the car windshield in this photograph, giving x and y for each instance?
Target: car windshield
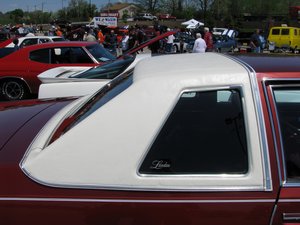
(100, 53)
(107, 71)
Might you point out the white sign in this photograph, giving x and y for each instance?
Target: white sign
(108, 21)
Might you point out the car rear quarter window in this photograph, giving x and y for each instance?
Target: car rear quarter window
(72, 55)
(288, 108)
(41, 55)
(204, 134)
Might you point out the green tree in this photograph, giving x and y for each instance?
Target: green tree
(16, 15)
(80, 10)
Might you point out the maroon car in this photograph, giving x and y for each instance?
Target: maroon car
(177, 140)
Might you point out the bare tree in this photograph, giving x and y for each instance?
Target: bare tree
(150, 5)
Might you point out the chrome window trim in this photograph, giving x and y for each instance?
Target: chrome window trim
(199, 176)
(261, 123)
(272, 126)
(288, 200)
(283, 182)
(266, 174)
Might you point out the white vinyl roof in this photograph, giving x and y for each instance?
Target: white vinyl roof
(106, 149)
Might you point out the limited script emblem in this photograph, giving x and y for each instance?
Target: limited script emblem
(160, 164)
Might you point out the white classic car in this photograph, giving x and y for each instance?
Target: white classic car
(32, 40)
(78, 81)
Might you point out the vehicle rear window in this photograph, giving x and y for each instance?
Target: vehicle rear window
(288, 108)
(204, 134)
(100, 53)
(107, 71)
(41, 55)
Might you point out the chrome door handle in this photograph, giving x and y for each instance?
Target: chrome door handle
(291, 217)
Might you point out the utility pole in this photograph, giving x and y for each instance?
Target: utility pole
(43, 6)
(90, 6)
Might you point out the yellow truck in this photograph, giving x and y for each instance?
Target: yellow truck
(284, 37)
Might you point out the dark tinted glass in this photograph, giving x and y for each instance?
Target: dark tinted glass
(288, 108)
(205, 134)
(70, 55)
(285, 31)
(28, 42)
(100, 53)
(107, 71)
(42, 56)
(275, 31)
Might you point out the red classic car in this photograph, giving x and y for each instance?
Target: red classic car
(178, 140)
(19, 70)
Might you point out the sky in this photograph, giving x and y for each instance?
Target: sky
(45, 5)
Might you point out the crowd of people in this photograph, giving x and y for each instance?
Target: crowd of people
(118, 40)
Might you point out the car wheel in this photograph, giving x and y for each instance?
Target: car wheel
(13, 90)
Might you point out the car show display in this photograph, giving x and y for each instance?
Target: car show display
(174, 140)
(19, 69)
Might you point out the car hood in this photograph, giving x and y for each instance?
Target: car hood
(14, 116)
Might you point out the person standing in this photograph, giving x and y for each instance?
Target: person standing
(100, 36)
(58, 32)
(132, 40)
(255, 42)
(199, 45)
(208, 38)
(90, 36)
(170, 42)
(110, 42)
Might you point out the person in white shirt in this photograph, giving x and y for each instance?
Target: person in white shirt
(170, 42)
(199, 45)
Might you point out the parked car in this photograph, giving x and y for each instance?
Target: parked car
(173, 142)
(218, 31)
(26, 41)
(145, 16)
(284, 38)
(166, 17)
(225, 42)
(19, 70)
(77, 81)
